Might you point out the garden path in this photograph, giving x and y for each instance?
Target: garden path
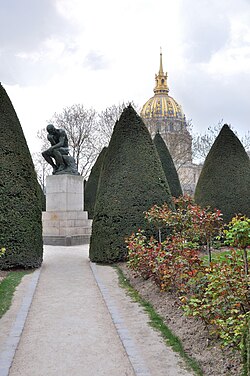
(80, 322)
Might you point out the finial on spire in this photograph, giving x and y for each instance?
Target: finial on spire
(161, 66)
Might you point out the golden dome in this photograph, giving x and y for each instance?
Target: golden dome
(161, 105)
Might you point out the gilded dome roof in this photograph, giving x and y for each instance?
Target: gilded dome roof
(161, 105)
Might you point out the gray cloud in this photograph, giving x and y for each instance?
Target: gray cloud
(210, 98)
(95, 61)
(25, 25)
(205, 27)
(207, 100)
(25, 72)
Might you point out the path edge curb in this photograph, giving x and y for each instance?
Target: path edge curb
(135, 359)
(11, 344)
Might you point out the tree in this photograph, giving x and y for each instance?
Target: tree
(42, 197)
(168, 166)
(224, 182)
(20, 198)
(132, 180)
(42, 169)
(107, 119)
(80, 125)
(202, 142)
(88, 132)
(90, 190)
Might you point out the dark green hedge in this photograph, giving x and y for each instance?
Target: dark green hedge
(20, 198)
(91, 185)
(224, 182)
(132, 180)
(168, 166)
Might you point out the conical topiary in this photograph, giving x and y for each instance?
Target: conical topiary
(224, 182)
(168, 166)
(132, 181)
(20, 199)
(91, 185)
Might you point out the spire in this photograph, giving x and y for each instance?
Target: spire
(161, 66)
(161, 80)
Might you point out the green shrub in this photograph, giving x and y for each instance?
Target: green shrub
(2, 251)
(221, 299)
(224, 182)
(168, 166)
(237, 235)
(90, 189)
(20, 198)
(171, 264)
(132, 180)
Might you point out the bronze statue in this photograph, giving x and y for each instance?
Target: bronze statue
(58, 154)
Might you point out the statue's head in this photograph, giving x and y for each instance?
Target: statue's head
(51, 129)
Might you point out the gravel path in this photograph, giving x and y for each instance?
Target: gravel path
(82, 323)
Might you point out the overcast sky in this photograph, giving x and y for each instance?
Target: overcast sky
(56, 53)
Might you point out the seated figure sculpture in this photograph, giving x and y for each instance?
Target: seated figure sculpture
(58, 154)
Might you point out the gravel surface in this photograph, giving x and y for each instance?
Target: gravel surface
(82, 323)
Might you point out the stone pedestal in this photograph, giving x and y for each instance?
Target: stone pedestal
(65, 222)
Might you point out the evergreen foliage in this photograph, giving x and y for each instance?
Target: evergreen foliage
(168, 166)
(90, 189)
(20, 198)
(131, 182)
(224, 182)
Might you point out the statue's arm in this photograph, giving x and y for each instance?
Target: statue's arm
(61, 141)
(51, 139)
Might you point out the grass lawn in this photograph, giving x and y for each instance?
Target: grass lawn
(156, 321)
(7, 288)
(223, 255)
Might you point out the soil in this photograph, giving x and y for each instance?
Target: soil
(3, 274)
(193, 334)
